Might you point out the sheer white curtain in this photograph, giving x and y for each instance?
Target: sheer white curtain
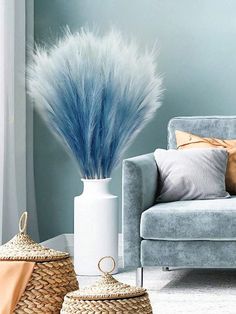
(14, 173)
(2, 101)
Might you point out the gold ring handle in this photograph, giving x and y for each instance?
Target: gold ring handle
(113, 266)
(23, 223)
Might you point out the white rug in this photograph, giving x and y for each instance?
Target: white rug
(185, 291)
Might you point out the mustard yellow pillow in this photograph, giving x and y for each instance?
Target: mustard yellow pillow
(186, 140)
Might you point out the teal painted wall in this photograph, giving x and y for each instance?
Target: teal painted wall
(197, 41)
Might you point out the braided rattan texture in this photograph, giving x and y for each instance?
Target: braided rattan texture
(136, 305)
(49, 283)
(22, 247)
(107, 296)
(107, 288)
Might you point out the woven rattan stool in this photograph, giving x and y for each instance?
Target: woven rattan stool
(52, 278)
(107, 296)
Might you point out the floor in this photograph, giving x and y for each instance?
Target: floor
(185, 291)
(178, 291)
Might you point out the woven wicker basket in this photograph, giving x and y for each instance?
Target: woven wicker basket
(52, 278)
(107, 296)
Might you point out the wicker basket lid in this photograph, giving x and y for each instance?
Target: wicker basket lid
(22, 247)
(107, 288)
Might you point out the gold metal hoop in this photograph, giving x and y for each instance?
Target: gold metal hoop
(113, 266)
(23, 223)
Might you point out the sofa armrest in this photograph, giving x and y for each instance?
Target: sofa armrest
(139, 186)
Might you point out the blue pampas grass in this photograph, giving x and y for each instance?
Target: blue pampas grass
(96, 93)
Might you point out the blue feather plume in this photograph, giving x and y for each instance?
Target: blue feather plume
(96, 93)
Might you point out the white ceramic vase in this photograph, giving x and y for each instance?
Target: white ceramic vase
(95, 227)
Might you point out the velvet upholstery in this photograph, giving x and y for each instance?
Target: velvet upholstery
(139, 184)
(188, 220)
(192, 254)
(217, 126)
(209, 224)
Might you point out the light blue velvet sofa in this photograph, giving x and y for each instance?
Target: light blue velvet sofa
(192, 234)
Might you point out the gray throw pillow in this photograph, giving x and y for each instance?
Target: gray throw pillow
(191, 174)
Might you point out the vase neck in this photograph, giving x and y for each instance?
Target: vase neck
(96, 186)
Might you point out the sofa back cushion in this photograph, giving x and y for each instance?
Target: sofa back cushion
(223, 127)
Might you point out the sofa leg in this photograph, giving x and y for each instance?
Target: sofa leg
(165, 268)
(139, 277)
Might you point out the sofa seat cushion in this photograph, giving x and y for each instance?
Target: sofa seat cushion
(191, 220)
